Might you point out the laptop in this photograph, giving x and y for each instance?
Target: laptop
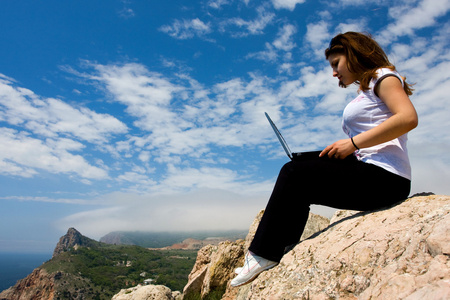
(290, 154)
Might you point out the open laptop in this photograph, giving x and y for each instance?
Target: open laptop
(290, 154)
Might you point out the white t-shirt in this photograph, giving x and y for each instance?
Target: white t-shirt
(367, 111)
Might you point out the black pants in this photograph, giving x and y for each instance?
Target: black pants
(343, 184)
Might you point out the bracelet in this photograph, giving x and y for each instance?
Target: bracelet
(354, 143)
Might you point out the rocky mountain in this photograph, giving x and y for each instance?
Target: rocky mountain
(42, 284)
(72, 240)
(82, 268)
(396, 253)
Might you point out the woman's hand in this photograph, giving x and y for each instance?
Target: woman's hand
(340, 149)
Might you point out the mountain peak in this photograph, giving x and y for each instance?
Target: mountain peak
(72, 239)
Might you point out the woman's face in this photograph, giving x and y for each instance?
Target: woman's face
(338, 63)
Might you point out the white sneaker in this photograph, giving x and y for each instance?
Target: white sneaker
(238, 270)
(253, 266)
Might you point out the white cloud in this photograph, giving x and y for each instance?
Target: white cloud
(22, 155)
(286, 4)
(51, 130)
(283, 44)
(284, 40)
(126, 12)
(186, 29)
(192, 128)
(50, 117)
(410, 17)
(137, 179)
(253, 27)
(269, 54)
(204, 208)
(217, 4)
(50, 200)
(358, 25)
(318, 37)
(425, 62)
(148, 98)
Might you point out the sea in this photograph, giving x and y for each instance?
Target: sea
(15, 266)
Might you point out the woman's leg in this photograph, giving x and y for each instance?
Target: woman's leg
(344, 184)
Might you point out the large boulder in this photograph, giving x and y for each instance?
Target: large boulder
(400, 252)
(215, 265)
(397, 253)
(147, 292)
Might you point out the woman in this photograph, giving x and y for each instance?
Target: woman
(367, 171)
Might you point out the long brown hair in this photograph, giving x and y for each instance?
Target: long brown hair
(364, 57)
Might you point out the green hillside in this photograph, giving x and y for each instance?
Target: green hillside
(100, 271)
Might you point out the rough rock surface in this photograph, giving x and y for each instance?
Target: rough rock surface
(397, 253)
(215, 265)
(38, 285)
(147, 292)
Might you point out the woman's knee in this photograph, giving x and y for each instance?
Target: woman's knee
(288, 169)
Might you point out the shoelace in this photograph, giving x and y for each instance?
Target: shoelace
(247, 261)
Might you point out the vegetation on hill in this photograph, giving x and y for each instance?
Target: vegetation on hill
(103, 270)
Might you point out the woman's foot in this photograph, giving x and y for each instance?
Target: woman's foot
(253, 266)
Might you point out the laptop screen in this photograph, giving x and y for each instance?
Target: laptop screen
(279, 136)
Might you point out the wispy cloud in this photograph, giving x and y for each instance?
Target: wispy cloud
(284, 40)
(25, 156)
(126, 12)
(217, 4)
(176, 211)
(406, 18)
(49, 133)
(186, 29)
(236, 27)
(318, 37)
(248, 27)
(281, 46)
(286, 4)
(50, 117)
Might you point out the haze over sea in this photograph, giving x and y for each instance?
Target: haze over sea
(15, 266)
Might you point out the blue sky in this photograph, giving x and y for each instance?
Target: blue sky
(149, 115)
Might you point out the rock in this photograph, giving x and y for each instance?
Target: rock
(72, 239)
(147, 292)
(215, 265)
(38, 285)
(214, 268)
(397, 253)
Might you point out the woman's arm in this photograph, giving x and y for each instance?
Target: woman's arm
(404, 118)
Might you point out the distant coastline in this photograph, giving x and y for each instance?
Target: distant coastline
(15, 266)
